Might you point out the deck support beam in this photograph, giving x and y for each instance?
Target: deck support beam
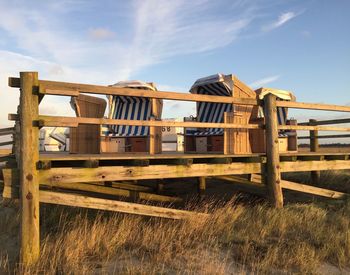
(273, 173)
(29, 179)
(202, 186)
(315, 175)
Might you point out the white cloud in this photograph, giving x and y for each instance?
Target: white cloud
(282, 19)
(263, 81)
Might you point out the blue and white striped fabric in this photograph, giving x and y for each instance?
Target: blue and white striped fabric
(209, 111)
(131, 108)
(282, 113)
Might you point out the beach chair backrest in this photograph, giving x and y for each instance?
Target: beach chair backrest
(86, 138)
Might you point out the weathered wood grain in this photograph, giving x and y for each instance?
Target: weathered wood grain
(28, 175)
(120, 173)
(273, 172)
(56, 121)
(118, 206)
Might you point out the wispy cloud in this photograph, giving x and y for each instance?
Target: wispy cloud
(157, 30)
(61, 40)
(281, 20)
(264, 81)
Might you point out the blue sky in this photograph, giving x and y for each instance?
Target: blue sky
(301, 46)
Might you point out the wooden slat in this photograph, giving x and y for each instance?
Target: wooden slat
(70, 89)
(129, 186)
(317, 128)
(313, 106)
(59, 92)
(61, 156)
(327, 122)
(290, 185)
(299, 166)
(58, 156)
(58, 121)
(325, 136)
(117, 206)
(313, 190)
(54, 121)
(120, 173)
(111, 191)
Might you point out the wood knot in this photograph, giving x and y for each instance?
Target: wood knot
(29, 177)
(57, 177)
(29, 196)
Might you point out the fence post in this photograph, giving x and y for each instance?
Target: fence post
(227, 140)
(29, 157)
(273, 179)
(155, 132)
(152, 138)
(315, 175)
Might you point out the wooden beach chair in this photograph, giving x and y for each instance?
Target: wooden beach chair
(287, 138)
(124, 138)
(212, 139)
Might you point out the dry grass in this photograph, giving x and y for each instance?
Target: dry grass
(237, 238)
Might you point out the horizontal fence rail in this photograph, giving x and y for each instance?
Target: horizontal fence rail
(314, 128)
(58, 121)
(55, 121)
(73, 89)
(324, 136)
(327, 122)
(313, 106)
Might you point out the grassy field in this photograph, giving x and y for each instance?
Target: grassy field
(242, 235)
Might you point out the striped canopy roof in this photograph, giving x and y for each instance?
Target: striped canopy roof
(130, 107)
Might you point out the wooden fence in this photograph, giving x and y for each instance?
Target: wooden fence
(87, 172)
